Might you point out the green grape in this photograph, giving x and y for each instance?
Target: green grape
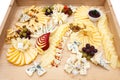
(84, 55)
(24, 34)
(25, 29)
(88, 57)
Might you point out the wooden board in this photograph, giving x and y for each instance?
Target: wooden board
(11, 72)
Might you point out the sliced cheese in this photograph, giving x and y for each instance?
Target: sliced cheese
(28, 58)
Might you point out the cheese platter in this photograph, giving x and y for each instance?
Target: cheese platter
(60, 40)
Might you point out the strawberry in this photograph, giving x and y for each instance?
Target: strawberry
(65, 7)
(43, 41)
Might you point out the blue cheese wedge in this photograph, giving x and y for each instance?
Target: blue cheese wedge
(40, 70)
(34, 68)
(73, 47)
(98, 59)
(30, 70)
(24, 18)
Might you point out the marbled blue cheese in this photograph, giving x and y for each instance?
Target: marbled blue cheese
(24, 18)
(83, 71)
(35, 67)
(75, 65)
(68, 68)
(73, 47)
(31, 70)
(98, 59)
(75, 72)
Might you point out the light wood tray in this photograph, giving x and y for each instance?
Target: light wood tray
(11, 72)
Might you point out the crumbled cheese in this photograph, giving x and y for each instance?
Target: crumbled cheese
(68, 68)
(75, 72)
(83, 71)
(77, 65)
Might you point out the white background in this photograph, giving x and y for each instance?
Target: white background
(4, 4)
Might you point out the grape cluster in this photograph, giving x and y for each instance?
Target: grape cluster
(48, 10)
(89, 51)
(24, 33)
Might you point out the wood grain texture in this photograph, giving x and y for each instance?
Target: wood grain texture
(73, 2)
(6, 22)
(113, 26)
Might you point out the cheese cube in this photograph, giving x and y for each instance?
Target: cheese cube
(30, 70)
(20, 45)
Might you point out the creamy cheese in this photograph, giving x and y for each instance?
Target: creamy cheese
(20, 45)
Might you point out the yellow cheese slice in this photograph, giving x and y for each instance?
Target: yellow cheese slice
(13, 58)
(18, 60)
(15, 53)
(81, 13)
(22, 59)
(28, 58)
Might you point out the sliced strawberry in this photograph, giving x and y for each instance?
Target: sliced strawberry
(43, 41)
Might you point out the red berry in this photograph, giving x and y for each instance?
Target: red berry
(65, 7)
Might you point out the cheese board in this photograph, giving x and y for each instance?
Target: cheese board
(59, 40)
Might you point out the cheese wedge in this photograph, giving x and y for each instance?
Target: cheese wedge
(13, 58)
(22, 59)
(28, 58)
(14, 54)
